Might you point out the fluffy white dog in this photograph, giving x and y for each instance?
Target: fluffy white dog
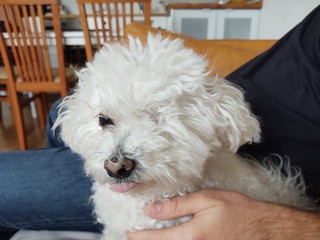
(151, 124)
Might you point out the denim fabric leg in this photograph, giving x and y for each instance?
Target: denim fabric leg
(53, 137)
(44, 189)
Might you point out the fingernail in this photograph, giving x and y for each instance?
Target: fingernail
(157, 206)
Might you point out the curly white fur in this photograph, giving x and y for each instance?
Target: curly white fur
(181, 128)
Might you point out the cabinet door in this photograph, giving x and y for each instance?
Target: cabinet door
(237, 24)
(160, 22)
(198, 23)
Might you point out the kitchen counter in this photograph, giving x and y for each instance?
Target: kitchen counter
(214, 5)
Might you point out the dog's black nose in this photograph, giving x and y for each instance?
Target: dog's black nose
(121, 168)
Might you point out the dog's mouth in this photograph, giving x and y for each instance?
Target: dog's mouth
(122, 187)
(120, 170)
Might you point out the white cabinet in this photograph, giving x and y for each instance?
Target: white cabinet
(237, 24)
(198, 23)
(159, 21)
(215, 23)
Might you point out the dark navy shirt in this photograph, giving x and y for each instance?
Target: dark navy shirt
(282, 86)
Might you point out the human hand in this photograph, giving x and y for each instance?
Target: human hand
(218, 214)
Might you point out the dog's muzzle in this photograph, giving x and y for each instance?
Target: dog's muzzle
(121, 168)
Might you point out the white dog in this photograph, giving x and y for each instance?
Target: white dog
(151, 124)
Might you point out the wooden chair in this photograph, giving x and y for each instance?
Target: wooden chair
(3, 94)
(29, 67)
(104, 20)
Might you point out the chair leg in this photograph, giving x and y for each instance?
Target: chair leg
(17, 115)
(1, 116)
(42, 109)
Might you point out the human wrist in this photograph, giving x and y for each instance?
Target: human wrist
(303, 225)
(286, 223)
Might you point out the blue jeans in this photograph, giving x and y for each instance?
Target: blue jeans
(45, 188)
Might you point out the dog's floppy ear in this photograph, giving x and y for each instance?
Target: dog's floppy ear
(234, 123)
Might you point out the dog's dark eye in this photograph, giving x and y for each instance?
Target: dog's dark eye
(105, 121)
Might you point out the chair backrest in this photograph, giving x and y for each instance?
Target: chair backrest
(104, 20)
(28, 40)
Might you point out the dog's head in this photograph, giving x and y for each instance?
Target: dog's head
(145, 115)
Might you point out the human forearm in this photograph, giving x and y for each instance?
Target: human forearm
(294, 224)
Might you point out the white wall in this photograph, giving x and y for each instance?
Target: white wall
(279, 16)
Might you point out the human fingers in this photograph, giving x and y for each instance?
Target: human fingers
(210, 210)
(181, 206)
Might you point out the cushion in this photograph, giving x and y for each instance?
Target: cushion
(224, 56)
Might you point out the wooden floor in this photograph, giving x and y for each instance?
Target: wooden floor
(8, 138)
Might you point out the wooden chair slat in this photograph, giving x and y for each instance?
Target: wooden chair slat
(109, 20)
(131, 12)
(41, 72)
(124, 13)
(103, 29)
(44, 41)
(109, 15)
(30, 40)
